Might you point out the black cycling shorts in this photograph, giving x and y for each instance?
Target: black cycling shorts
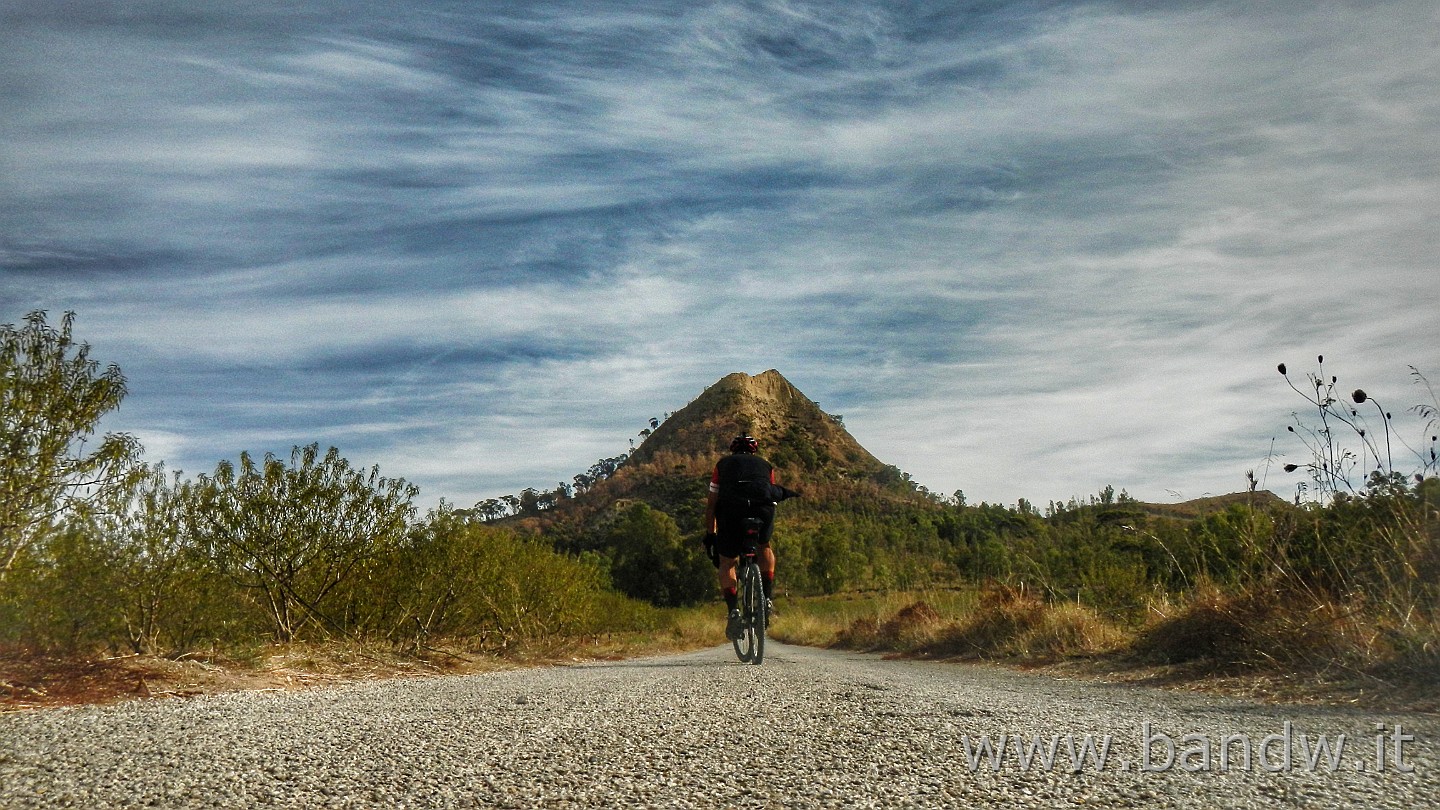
(730, 526)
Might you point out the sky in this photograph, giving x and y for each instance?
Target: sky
(1025, 249)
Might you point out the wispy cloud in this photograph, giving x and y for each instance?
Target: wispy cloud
(1026, 250)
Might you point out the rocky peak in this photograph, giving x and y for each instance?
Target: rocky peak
(791, 428)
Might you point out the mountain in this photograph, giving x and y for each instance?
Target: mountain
(811, 450)
(792, 430)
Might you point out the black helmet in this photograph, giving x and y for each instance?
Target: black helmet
(743, 444)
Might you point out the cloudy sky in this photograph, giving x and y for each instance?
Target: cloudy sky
(1026, 249)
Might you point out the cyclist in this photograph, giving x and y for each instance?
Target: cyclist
(741, 486)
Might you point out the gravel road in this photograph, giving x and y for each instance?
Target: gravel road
(810, 728)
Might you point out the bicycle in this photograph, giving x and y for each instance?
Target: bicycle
(750, 645)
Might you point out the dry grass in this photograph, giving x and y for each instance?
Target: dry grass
(1415, 641)
(794, 626)
(1013, 623)
(997, 622)
(914, 626)
(1259, 647)
(1294, 630)
(31, 679)
(868, 621)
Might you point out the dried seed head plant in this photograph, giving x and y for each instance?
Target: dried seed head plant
(1344, 453)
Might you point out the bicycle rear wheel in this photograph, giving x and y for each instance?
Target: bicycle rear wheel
(747, 583)
(744, 646)
(754, 611)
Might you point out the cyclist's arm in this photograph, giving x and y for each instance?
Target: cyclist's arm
(710, 500)
(709, 524)
(779, 493)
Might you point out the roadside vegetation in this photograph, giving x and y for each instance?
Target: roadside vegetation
(1339, 586)
(104, 556)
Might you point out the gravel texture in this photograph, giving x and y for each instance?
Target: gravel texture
(810, 728)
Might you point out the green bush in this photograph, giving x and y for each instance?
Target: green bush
(457, 578)
(63, 591)
(296, 534)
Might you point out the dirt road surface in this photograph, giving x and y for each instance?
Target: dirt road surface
(809, 728)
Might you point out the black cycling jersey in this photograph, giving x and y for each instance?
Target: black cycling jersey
(744, 477)
(744, 487)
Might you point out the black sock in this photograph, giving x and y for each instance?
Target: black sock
(731, 598)
(767, 584)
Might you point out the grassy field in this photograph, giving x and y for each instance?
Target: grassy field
(968, 622)
(1259, 648)
(823, 621)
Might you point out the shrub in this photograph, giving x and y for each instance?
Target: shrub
(457, 578)
(1262, 628)
(1012, 622)
(294, 534)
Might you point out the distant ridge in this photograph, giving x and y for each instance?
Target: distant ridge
(1199, 507)
(811, 450)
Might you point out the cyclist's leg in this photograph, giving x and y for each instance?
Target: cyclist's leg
(726, 573)
(766, 558)
(727, 544)
(729, 589)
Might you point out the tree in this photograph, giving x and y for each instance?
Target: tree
(52, 397)
(834, 563)
(529, 502)
(1107, 495)
(650, 560)
(295, 533)
(490, 509)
